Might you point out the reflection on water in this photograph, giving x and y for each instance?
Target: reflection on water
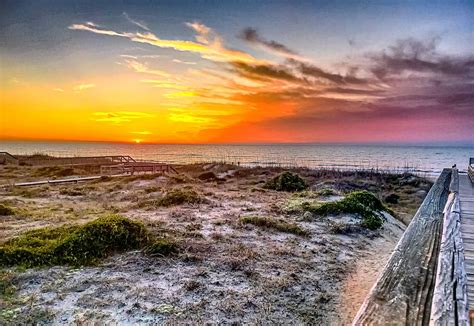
(419, 159)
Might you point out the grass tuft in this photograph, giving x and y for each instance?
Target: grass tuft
(74, 245)
(286, 181)
(54, 171)
(278, 225)
(5, 210)
(178, 196)
(162, 247)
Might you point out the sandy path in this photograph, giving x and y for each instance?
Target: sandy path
(366, 270)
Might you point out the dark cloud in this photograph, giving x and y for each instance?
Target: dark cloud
(251, 35)
(412, 55)
(311, 70)
(265, 71)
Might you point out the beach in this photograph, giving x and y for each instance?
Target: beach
(244, 253)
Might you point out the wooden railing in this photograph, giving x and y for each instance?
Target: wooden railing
(449, 305)
(470, 169)
(6, 157)
(412, 281)
(79, 160)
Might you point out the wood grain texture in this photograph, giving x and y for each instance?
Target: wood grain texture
(449, 305)
(466, 208)
(402, 295)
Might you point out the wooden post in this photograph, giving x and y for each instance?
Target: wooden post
(403, 292)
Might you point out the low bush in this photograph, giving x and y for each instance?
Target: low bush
(392, 199)
(5, 210)
(162, 247)
(269, 223)
(286, 181)
(178, 196)
(74, 245)
(362, 203)
(207, 176)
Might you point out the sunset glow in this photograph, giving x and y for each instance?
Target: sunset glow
(163, 73)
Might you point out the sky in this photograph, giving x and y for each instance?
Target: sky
(237, 71)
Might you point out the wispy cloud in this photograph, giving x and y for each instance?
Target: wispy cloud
(60, 90)
(120, 116)
(252, 36)
(83, 87)
(142, 132)
(144, 68)
(184, 62)
(209, 44)
(135, 22)
(164, 84)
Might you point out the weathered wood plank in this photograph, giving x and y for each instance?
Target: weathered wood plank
(466, 199)
(450, 297)
(402, 294)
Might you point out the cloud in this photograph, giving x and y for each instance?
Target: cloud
(252, 36)
(119, 116)
(83, 87)
(209, 44)
(142, 132)
(137, 23)
(143, 68)
(184, 62)
(164, 84)
(58, 90)
(411, 55)
(264, 71)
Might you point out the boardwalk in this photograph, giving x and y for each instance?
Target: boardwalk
(466, 196)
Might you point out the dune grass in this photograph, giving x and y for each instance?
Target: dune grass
(286, 181)
(362, 203)
(270, 223)
(5, 210)
(179, 196)
(74, 245)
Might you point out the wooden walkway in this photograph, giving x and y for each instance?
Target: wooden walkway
(466, 197)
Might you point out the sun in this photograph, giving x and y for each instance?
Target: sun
(137, 141)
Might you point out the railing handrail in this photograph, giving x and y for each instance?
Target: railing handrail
(403, 291)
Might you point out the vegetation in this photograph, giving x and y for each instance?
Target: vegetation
(7, 288)
(392, 199)
(178, 196)
(207, 176)
(75, 245)
(363, 203)
(72, 192)
(56, 171)
(162, 247)
(5, 210)
(286, 181)
(269, 223)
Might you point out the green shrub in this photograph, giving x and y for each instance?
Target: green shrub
(363, 203)
(178, 197)
(75, 245)
(5, 210)
(286, 181)
(274, 224)
(162, 246)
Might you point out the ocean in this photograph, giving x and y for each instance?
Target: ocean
(420, 159)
